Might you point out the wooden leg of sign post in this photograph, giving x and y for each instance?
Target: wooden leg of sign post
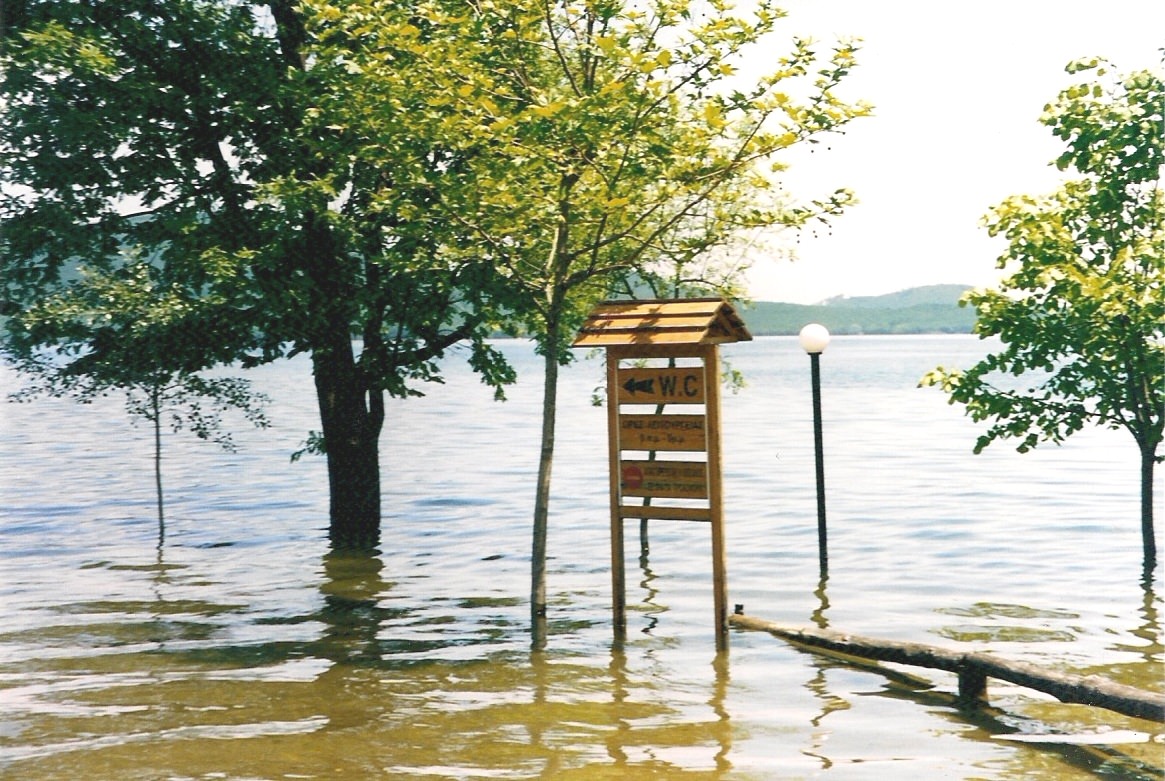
(618, 563)
(711, 358)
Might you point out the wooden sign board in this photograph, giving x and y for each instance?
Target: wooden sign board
(684, 385)
(688, 484)
(663, 432)
(682, 331)
(668, 479)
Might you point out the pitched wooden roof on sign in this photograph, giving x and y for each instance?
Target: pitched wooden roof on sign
(666, 321)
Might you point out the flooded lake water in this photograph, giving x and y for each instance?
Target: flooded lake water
(234, 644)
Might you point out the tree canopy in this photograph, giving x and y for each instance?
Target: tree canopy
(1081, 312)
(290, 175)
(189, 134)
(588, 144)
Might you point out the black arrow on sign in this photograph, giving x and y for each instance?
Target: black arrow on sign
(632, 385)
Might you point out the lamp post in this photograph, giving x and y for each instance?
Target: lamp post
(814, 339)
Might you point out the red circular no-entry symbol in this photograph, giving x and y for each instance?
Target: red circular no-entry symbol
(632, 476)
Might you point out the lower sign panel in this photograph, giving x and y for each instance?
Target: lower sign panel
(673, 479)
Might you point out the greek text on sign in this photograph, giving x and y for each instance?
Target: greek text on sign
(661, 386)
(673, 479)
(662, 432)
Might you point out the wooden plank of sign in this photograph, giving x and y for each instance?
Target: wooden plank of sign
(666, 513)
(681, 385)
(667, 479)
(662, 432)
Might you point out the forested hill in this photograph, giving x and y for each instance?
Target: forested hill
(933, 309)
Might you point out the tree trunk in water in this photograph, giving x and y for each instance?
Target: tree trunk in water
(1148, 538)
(542, 497)
(555, 305)
(351, 439)
(156, 409)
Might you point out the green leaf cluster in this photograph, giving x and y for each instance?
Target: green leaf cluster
(581, 144)
(205, 182)
(190, 133)
(1081, 310)
(124, 331)
(419, 173)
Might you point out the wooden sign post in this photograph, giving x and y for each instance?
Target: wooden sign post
(682, 338)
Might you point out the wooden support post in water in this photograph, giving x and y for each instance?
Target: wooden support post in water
(972, 685)
(618, 561)
(711, 358)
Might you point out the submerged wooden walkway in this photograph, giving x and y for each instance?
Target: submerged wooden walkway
(973, 669)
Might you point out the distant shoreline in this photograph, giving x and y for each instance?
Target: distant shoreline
(764, 319)
(932, 309)
(916, 311)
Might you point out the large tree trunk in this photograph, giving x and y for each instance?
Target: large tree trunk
(1148, 538)
(542, 495)
(350, 416)
(351, 438)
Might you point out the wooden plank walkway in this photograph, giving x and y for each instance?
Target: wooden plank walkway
(973, 669)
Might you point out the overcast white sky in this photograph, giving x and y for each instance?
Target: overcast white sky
(958, 88)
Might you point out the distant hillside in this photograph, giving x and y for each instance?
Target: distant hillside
(932, 309)
(914, 296)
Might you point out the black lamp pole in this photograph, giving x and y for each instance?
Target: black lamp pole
(814, 339)
(822, 543)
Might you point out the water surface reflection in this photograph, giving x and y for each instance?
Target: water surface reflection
(234, 643)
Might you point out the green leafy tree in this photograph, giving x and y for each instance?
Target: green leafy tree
(198, 133)
(1082, 310)
(596, 143)
(649, 159)
(118, 315)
